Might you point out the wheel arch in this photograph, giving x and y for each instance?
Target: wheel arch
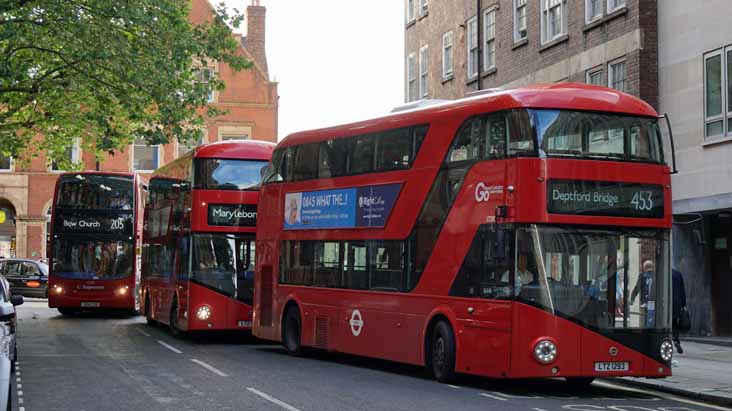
(437, 315)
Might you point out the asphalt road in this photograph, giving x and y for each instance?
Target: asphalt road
(97, 363)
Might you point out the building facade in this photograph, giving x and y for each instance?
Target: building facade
(674, 54)
(251, 103)
(458, 46)
(695, 88)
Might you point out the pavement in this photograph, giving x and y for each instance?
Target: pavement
(95, 363)
(703, 371)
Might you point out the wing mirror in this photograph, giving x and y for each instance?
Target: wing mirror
(16, 300)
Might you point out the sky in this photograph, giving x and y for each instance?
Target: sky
(336, 61)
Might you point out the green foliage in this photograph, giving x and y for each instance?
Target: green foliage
(106, 72)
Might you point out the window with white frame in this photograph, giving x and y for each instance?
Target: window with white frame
(184, 147)
(411, 77)
(593, 10)
(410, 10)
(613, 5)
(145, 157)
(204, 76)
(423, 71)
(519, 20)
(718, 93)
(489, 28)
(72, 155)
(447, 41)
(617, 75)
(553, 20)
(234, 136)
(423, 7)
(472, 47)
(594, 77)
(6, 163)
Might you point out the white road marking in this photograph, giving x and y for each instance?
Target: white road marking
(209, 367)
(20, 386)
(272, 399)
(170, 347)
(17, 379)
(20, 393)
(493, 396)
(145, 333)
(662, 395)
(538, 409)
(453, 386)
(20, 400)
(21, 409)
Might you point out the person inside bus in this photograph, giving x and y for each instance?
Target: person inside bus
(523, 275)
(644, 287)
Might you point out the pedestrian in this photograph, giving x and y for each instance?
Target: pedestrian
(679, 304)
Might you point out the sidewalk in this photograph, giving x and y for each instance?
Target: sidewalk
(703, 372)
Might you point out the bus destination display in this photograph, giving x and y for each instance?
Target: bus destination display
(116, 223)
(605, 198)
(232, 215)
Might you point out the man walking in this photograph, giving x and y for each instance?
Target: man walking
(679, 303)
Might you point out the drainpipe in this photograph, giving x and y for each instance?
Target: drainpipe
(479, 20)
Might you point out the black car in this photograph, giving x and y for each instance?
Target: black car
(26, 277)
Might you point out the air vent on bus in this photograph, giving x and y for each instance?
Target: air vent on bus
(322, 331)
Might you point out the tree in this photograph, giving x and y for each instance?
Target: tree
(106, 72)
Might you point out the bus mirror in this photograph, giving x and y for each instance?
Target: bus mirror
(671, 142)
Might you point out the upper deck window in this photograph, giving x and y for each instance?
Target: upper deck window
(565, 133)
(225, 174)
(493, 136)
(368, 153)
(88, 191)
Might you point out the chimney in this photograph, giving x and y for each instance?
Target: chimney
(255, 34)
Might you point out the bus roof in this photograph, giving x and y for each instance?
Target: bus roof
(99, 173)
(236, 149)
(568, 96)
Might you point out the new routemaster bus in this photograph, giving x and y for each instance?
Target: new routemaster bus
(95, 235)
(199, 229)
(522, 233)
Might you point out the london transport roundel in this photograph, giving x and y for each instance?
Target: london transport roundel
(356, 323)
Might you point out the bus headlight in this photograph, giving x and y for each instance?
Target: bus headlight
(667, 350)
(123, 290)
(203, 313)
(58, 289)
(545, 352)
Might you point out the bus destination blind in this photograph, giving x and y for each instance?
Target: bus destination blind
(77, 222)
(605, 198)
(232, 215)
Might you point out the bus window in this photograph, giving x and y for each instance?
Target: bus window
(386, 265)
(327, 264)
(487, 268)
(333, 158)
(303, 165)
(362, 156)
(394, 150)
(355, 274)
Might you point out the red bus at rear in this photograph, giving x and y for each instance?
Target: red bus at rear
(518, 234)
(199, 231)
(93, 242)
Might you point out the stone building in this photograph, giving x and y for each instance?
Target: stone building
(251, 101)
(674, 54)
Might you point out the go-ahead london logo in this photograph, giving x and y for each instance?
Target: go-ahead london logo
(356, 323)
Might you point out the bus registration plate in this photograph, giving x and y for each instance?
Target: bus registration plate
(244, 323)
(611, 366)
(89, 304)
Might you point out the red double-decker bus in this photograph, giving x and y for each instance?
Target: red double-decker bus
(199, 228)
(521, 233)
(94, 242)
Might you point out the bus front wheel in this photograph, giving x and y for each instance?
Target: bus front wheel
(66, 311)
(442, 352)
(579, 383)
(291, 331)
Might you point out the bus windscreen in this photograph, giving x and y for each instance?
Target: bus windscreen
(80, 259)
(86, 191)
(224, 174)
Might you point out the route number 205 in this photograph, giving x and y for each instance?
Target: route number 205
(642, 200)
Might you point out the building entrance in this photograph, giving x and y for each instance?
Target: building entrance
(7, 229)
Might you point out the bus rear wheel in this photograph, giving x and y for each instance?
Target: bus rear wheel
(291, 331)
(442, 353)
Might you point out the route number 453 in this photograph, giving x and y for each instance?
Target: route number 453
(643, 200)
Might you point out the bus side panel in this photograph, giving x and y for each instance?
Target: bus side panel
(484, 337)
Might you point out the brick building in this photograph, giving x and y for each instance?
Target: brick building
(674, 54)
(457, 46)
(250, 98)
